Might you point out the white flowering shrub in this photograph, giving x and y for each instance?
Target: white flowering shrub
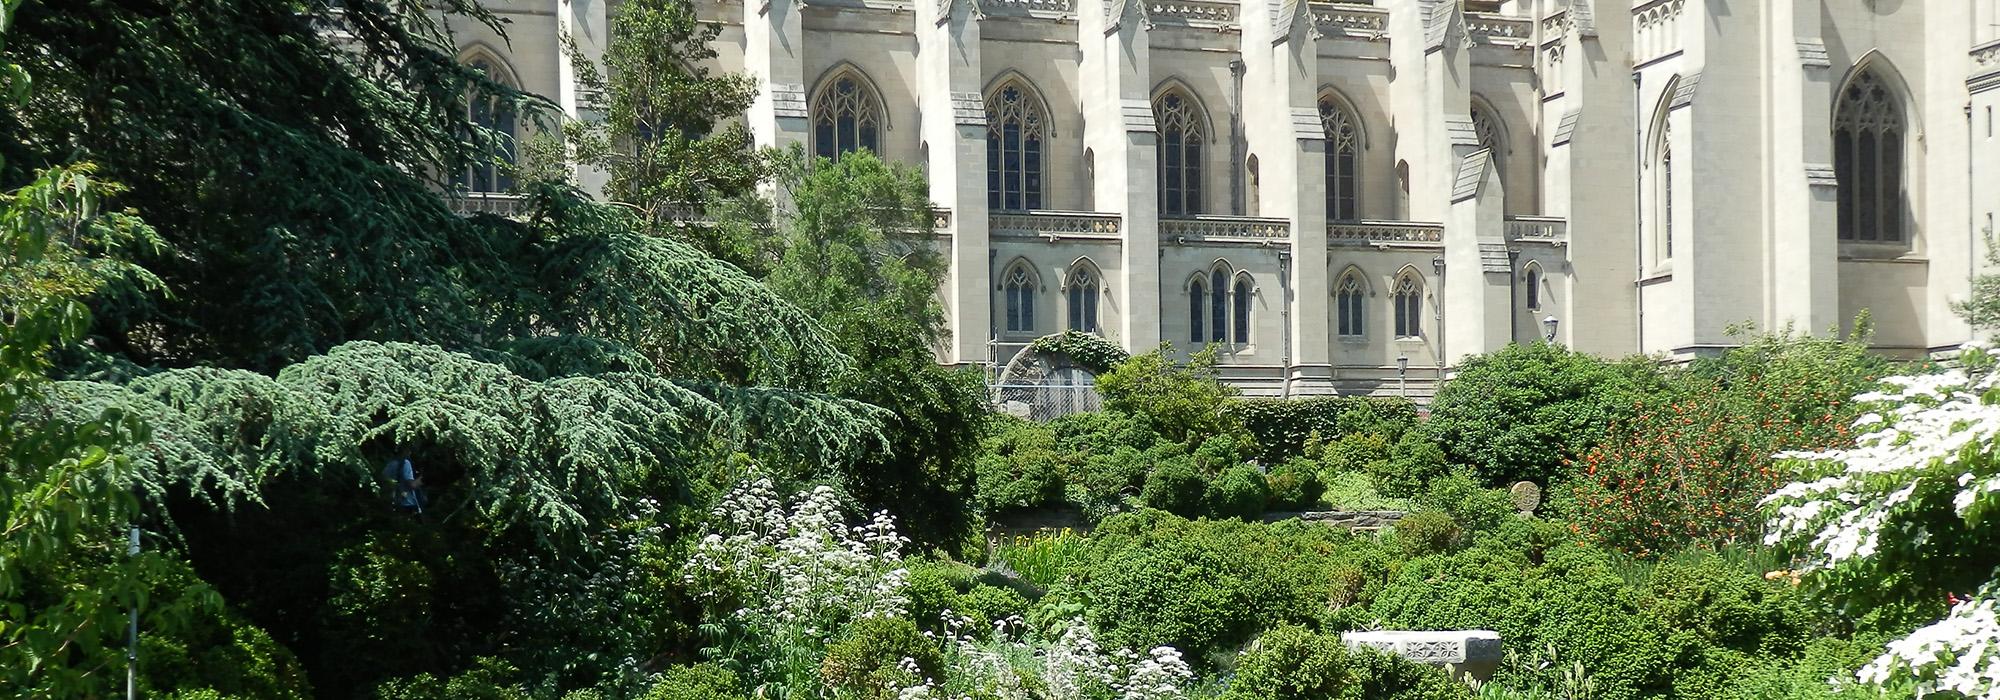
(1070, 666)
(1911, 510)
(780, 583)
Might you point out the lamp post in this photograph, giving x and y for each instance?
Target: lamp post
(1549, 328)
(1403, 376)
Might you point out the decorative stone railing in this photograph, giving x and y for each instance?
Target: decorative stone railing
(1354, 20)
(1656, 28)
(1475, 653)
(495, 203)
(1538, 228)
(1986, 58)
(1556, 26)
(1192, 12)
(1499, 29)
(1381, 233)
(1019, 8)
(1054, 224)
(1208, 228)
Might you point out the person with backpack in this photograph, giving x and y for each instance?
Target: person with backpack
(406, 492)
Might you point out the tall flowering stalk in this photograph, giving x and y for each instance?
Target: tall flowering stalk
(780, 584)
(1910, 511)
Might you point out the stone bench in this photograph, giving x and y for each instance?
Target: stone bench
(1462, 653)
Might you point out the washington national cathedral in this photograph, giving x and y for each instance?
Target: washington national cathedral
(1331, 191)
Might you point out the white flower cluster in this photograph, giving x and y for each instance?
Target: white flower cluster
(797, 575)
(1071, 666)
(1926, 436)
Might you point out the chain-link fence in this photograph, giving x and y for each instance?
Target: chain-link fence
(1041, 402)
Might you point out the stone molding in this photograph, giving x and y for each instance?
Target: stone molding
(788, 100)
(1382, 233)
(968, 109)
(1821, 175)
(1351, 20)
(1138, 116)
(1684, 93)
(1812, 54)
(1566, 129)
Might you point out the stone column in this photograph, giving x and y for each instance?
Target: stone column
(1281, 77)
(1804, 277)
(1124, 146)
(773, 52)
(954, 131)
(584, 22)
(1476, 294)
(1593, 147)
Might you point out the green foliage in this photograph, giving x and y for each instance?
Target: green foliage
(1183, 403)
(1981, 308)
(857, 255)
(1176, 487)
(1472, 506)
(488, 679)
(1356, 491)
(1429, 532)
(1239, 493)
(1414, 463)
(1520, 413)
(1087, 350)
(1043, 559)
(697, 682)
(669, 138)
(1203, 587)
(1690, 467)
(867, 661)
(1296, 485)
(1020, 467)
(1283, 428)
(1292, 663)
(1380, 676)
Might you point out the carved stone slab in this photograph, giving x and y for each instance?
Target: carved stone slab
(1470, 652)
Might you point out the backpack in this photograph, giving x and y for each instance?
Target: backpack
(393, 470)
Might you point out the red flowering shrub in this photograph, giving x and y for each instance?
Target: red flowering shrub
(1689, 467)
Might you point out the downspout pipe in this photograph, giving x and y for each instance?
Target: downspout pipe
(1639, 214)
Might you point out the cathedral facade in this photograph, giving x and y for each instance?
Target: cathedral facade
(1347, 196)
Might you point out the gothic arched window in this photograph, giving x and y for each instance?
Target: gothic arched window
(493, 170)
(1017, 288)
(1348, 308)
(1218, 306)
(1533, 282)
(1015, 126)
(1868, 160)
(1241, 310)
(1487, 131)
(1083, 289)
(1409, 303)
(1343, 158)
(1197, 310)
(846, 116)
(1181, 137)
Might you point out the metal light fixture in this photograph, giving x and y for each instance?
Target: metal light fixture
(1403, 375)
(1549, 328)
(1437, 264)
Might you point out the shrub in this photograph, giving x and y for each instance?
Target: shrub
(992, 604)
(1380, 676)
(698, 682)
(1181, 403)
(1295, 484)
(1367, 453)
(1426, 533)
(1723, 604)
(1175, 487)
(1087, 350)
(1413, 462)
(1020, 466)
(1291, 663)
(931, 588)
(1282, 428)
(1475, 508)
(1239, 493)
(1356, 491)
(869, 659)
(1043, 559)
(1519, 413)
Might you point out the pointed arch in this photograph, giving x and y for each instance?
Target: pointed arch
(1083, 288)
(1350, 293)
(1659, 174)
(1019, 285)
(1489, 127)
(1346, 137)
(847, 112)
(1872, 138)
(1197, 297)
(1184, 133)
(1406, 298)
(1017, 130)
(492, 172)
(1242, 296)
(1532, 281)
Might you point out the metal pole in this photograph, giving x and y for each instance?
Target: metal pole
(132, 628)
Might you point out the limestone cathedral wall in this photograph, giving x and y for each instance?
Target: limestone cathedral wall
(1496, 147)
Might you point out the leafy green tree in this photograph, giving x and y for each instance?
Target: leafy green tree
(1982, 308)
(1522, 412)
(1183, 403)
(669, 140)
(858, 256)
(292, 169)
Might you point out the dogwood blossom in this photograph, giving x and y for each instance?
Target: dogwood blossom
(1929, 447)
